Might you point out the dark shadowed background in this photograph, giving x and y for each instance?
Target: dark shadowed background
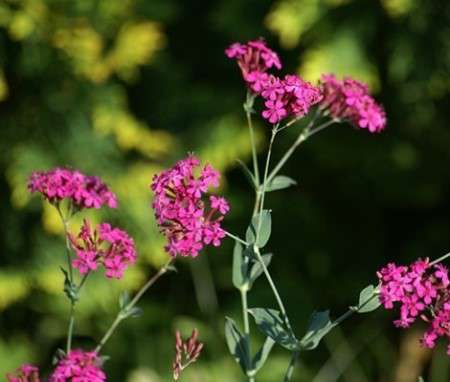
(122, 89)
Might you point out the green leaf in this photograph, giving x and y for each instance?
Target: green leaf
(58, 356)
(368, 300)
(171, 268)
(257, 269)
(280, 182)
(269, 321)
(265, 229)
(239, 267)
(237, 344)
(124, 299)
(70, 289)
(248, 173)
(261, 357)
(420, 379)
(319, 326)
(133, 312)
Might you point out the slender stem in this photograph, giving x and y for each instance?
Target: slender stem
(83, 280)
(255, 247)
(245, 312)
(440, 259)
(244, 303)
(305, 134)
(70, 330)
(123, 312)
(248, 111)
(291, 122)
(291, 366)
(273, 287)
(264, 184)
(65, 222)
(235, 238)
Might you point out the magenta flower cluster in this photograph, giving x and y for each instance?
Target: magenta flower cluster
(111, 247)
(83, 191)
(285, 97)
(184, 216)
(350, 100)
(78, 366)
(422, 290)
(25, 373)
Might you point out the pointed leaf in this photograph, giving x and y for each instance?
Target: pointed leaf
(135, 311)
(261, 357)
(265, 229)
(257, 269)
(319, 326)
(239, 267)
(269, 321)
(124, 299)
(237, 344)
(368, 300)
(280, 182)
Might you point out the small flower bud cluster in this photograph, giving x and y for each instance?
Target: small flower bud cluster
(185, 352)
(82, 190)
(422, 291)
(283, 97)
(111, 247)
(25, 373)
(78, 366)
(184, 217)
(350, 100)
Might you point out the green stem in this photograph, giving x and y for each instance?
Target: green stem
(123, 312)
(255, 247)
(70, 330)
(440, 259)
(291, 366)
(234, 237)
(303, 136)
(244, 304)
(248, 112)
(264, 184)
(273, 287)
(65, 222)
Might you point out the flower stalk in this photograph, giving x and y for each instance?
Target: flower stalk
(129, 308)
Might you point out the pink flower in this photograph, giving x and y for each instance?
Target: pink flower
(105, 245)
(256, 80)
(180, 209)
(82, 190)
(421, 291)
(275, 111)
(219, 203)
(78, 366)
(350, 100)
(25, 373)
(255, 56)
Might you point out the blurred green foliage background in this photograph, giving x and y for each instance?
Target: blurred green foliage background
(122, 89)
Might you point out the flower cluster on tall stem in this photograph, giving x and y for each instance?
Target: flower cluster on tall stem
(111, 247)
(78, 366)
(83, 191)
(25, 373)
(290, 96)
(422, 290)
(188, 221)
(349, 99)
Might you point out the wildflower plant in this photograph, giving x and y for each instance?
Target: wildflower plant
(190, 217)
